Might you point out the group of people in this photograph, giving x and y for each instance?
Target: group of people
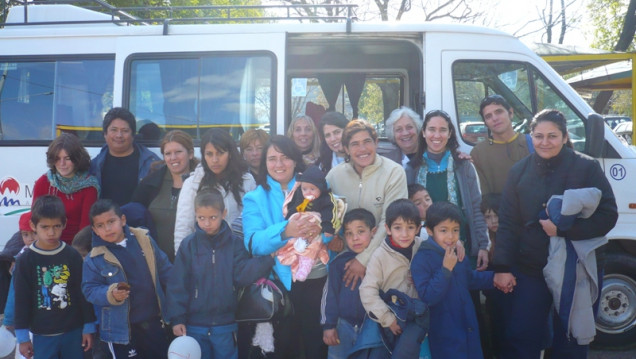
(395, 270)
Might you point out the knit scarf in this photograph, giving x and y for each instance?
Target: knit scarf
(445, 165)
(71, 185)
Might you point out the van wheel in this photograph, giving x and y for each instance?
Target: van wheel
(616, 319)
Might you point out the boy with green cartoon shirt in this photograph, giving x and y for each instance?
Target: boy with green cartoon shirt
(125, 276)
(48, 296)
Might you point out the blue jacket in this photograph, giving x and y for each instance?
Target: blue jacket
(102, 272)
(454, 332)
(339, 301)
(264, 224)
(146, 158)
(206, 273)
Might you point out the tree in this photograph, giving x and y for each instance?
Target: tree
(615, 24)
(551, 18)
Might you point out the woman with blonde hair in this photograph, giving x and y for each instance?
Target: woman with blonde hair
(302, 130)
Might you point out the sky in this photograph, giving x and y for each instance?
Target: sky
(510, 15)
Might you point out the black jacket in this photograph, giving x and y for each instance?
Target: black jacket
(149, 187)
(207, 272)
(521, 241)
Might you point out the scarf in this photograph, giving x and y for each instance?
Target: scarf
(445, 165)
(71, 185)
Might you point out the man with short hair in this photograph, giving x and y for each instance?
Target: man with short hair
(494, 157)
(121, 163)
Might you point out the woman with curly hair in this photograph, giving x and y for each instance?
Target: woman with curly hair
(221, 168)
(68, 179)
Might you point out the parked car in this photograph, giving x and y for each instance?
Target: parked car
(624, 131)
(473, 132)
(614, 120)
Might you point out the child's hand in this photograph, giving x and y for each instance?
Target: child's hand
(120, 294)
(461, 250)
(395, 328)
(26, 349)
(450, 259)
(330, 336)
(336, 244)
(87, 341)
(179, 330)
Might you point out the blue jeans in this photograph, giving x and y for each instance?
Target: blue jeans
(217, 342)
(64, 346)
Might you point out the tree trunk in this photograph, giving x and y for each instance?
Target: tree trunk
(563, 23)
(626, 38)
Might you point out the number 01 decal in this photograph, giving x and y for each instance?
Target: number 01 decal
(618, 172)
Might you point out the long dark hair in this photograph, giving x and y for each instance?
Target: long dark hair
(232, 177)
(334, 119)
(452, 144)
(284, 145)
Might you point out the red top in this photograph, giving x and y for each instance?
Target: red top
(77, 205)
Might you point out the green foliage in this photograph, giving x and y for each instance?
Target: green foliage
(191, 13)
(621, 103)
(607, 17)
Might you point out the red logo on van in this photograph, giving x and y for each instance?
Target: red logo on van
(9, 184)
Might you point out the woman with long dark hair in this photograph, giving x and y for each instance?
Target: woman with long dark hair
(330, 129)
(447, 177)
(266, 230)
(221, 168)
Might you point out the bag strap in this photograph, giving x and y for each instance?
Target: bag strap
(529, 143)
(249, 246)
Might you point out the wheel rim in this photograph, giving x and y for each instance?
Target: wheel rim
(617, 307)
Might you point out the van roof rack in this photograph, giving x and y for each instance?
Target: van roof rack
(166, 15)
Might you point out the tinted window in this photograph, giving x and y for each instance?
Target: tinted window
(527, 91)
(39, 99)
(203, 91)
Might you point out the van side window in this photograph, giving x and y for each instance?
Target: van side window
(39, 98)
(527, 91)
(202, 91)
(371, 97)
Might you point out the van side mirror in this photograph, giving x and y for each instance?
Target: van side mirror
(594, 135)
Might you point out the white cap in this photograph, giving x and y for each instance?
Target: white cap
(184, 347)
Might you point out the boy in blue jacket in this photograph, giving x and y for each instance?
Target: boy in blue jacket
(342, 313)
(125, 275)
(444, 283)
(210, 264)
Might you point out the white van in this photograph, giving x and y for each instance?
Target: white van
(66, 66)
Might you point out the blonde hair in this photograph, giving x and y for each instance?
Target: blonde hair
(314, 153)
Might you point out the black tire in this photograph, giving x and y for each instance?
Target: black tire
(616, 319)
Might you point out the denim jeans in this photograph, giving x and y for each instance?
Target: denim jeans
(217, 342)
